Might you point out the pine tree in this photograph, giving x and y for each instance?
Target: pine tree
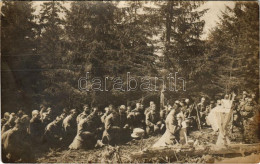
(19, 59)
(109, 43)
(52, 51)
(179, 25)
(234, 48)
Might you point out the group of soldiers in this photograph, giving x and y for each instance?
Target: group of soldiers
(94, 127)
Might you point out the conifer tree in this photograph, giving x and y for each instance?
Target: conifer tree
(234, 48)
(19, 64)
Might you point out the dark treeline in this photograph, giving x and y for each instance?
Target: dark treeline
(44, 55)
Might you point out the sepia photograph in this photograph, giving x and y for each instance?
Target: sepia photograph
(130, 81)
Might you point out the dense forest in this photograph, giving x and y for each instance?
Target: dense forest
(44, 55)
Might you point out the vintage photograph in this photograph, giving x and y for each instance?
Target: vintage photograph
(130, 82)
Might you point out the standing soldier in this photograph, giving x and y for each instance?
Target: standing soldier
(201, 107)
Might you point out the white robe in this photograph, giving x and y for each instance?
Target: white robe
(212, 118)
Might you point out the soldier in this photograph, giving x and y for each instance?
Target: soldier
(210, 106)
(190, 112)
(122, 116)
(124, 124)
(5, 119)
(236, 117)
(183, 122)
(64, 113)
(136, 117)
(243, 100)
(47, 116)
(53, 132)
(107, 112)
(152, 106)
(111, 134)
(249, 120)
(16, 143)
(69, 125)
(36, 127)
(201, 107)
(184, 108)
(9, 124)
(42, 110)
(84, 114)
(166, 110)
(128, 109)
(26, 120)
(152, 120)
(20, 113)
(86, 131)
(254, 100)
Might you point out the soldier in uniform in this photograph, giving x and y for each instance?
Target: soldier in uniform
(123, 124)
(69, 125)
(5, 119)
(136, 117)
(249, 121)
(53, 132)
(9, 124)
(111, 134)
(254, 100)
(201, 107)
(128, 109)
(42, 110)
(210, 106)
(36, 127)
(152, 120)
(16, 143)
(243, 100)
(20, 113)
(64, 113)
(47, 116)
(107, 112)
(152, 106)
(86, 131)
(165, 112)
(84, 114)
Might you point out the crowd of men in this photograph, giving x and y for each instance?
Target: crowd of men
(94, 127)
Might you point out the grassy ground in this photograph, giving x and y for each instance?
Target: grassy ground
(121, 153)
